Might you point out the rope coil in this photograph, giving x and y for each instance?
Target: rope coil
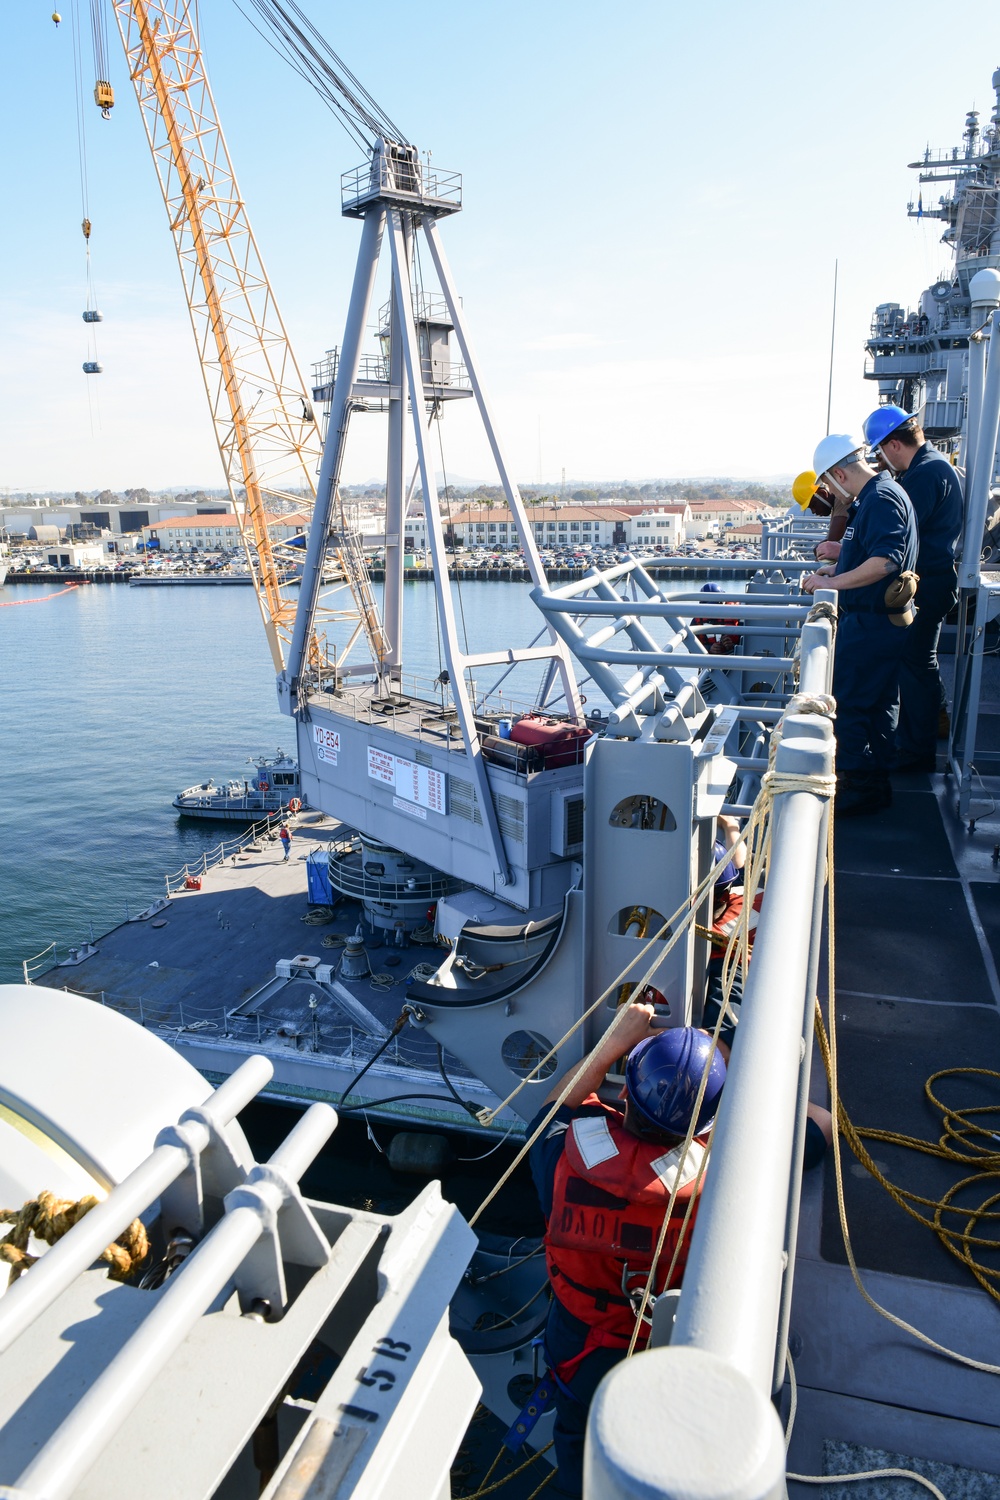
(828, 1047)
(48, 1218)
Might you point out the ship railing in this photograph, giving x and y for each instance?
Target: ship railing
(48, 957)
(660, 639)
(412, 182)
(223, 850)
(793, 536)
(431, 708)
(718, 1347)
(347, 1043)
(269, 1268)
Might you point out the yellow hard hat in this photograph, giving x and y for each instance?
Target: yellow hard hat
(803, 488)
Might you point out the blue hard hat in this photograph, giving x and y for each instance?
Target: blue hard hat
(729, 872)
(883, 422)
(663, 1075)
(711, 588)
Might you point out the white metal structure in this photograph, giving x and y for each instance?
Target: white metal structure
(181, 1383)
(399, 197)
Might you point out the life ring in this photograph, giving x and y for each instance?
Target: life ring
(295, 805)
(262, 786)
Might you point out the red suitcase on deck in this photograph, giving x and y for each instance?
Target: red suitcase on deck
(561, 744)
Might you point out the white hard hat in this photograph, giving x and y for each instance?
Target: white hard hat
(834, 449)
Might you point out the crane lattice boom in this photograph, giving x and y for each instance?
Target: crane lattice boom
(264, 422)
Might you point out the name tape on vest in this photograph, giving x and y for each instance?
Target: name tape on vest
(665, 1167)
(593, 1140)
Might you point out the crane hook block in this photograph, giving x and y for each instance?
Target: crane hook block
(85, 226)
(92, 367)
(56, 17)
(104, 96)
(93, 316)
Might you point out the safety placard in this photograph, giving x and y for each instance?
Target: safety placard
(416, 784)
(327, 744)
(382, 766)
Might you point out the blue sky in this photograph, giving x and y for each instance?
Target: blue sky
(654, 199)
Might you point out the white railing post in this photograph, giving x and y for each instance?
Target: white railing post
(655, 1424)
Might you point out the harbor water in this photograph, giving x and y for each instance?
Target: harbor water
(114, 699)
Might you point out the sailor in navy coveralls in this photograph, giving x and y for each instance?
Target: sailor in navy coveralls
(935, 490)
(879, 546)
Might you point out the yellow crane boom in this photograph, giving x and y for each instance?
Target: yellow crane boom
(264, 422)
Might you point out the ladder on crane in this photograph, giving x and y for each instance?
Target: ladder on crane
(264, 421)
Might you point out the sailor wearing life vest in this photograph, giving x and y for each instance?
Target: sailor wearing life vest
(604, 1175)
(727, 910)
(725, 643)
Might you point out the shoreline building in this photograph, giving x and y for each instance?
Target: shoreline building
(553, 525)
(121, 521)
(208, 532)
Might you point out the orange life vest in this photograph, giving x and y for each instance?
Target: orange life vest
(720, 645)
(609, 1197)
(725, 920)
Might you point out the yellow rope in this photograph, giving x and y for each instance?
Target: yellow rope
(683, 916)
(487, 1489)
(957, 1242)
(757, 837)
(683, 920)
(840, 1117)
(48, 1218)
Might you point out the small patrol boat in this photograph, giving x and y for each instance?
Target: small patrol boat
(271, 789)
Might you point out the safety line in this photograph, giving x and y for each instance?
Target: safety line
(837, 1111)
(758, 836)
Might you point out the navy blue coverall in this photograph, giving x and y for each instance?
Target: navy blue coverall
(935, 491)
(880, 523)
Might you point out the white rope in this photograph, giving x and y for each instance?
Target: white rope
(757, 836)
(684, 915)
(793, 1406)
(869, 1474)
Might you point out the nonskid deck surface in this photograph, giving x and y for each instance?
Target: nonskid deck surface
(215, 945)
(917, 952)
(189, 967)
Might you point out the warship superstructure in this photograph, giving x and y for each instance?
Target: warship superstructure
(919, 356)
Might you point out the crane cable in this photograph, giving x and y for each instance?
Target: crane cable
(85, 225)
(308, 52)
(99, 36)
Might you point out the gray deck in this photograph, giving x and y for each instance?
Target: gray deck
(194, 973)
(216, 945)
(918, 943)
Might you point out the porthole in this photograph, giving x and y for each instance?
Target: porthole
(639, 922)
(522, 1052)
(643, 812)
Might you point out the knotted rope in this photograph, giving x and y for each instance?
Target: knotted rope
(48, 1218)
